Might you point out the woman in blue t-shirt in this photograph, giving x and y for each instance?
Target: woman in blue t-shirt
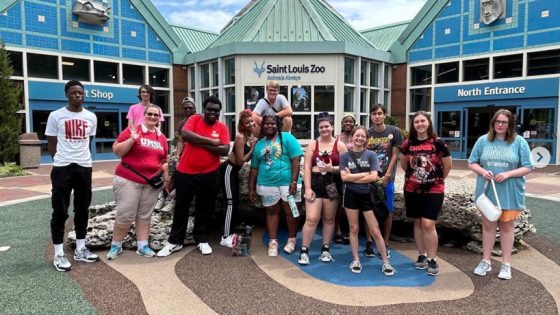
(358, 168)
(274, 176)
(505, 157)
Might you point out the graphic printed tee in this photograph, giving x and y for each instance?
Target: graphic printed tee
(72, 131)
(263, 108)
(424, 173)
(145, 155)
(382, 143)
(367, 160)
(198, 160)
(499, 156)
(274, 161)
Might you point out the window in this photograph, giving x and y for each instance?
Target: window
(230, 100)
(191, 78)
(42, 66)
(476, 69)
(301, 126)
(161, 99)
(301, 98)
(363, 100)
(215, 78)
(373, 74)
(543, 62)
(75, 69)
(323, 98)
(230, 123)
(447, 72)
(420, 99)
(373, 94)
(348, 99)
(106, 72)
(16, 59)
(205, 76)
(252, 96)
(421, 75)
(508, 66)
(363, 73)
(349, 70)
(387, 77)
(158, 77)
(229, 71)
(133, 74)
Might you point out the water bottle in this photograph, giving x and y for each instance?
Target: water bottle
(321, 166)
(293, 206)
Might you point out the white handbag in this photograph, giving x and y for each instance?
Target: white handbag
(491, 211)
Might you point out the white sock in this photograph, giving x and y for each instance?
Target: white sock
(119, 244)
(80, 244)
(141, 244)
(58, 249)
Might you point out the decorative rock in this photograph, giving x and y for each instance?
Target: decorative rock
(459, 214)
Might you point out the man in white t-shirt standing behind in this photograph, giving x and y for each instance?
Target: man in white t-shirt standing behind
(274, 104)
(68, 133)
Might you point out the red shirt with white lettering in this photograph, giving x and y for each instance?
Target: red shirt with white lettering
(145, 155)
(198, 160)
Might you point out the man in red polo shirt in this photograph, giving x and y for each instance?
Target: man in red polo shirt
(206, 139)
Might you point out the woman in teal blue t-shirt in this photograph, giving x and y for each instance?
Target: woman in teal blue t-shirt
(274, 176)
(505, 157)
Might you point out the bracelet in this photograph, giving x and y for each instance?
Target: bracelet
(294, 182)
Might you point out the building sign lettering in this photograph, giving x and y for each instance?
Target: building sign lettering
(491, 91)
(94, 93)
(294, 69)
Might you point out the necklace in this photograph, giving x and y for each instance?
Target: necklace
(267, 156)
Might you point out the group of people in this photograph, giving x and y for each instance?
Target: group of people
(338, 173)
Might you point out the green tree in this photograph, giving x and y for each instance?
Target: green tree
(10, 121)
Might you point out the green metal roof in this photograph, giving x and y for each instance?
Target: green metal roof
(195, 39)
(5, 4)
(383, 37)
(289, 21)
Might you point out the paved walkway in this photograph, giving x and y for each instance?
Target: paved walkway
(189, 283)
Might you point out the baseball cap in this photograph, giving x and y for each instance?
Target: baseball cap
(188, 100)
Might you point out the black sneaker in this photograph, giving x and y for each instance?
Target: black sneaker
(433, 267)
(368, 252)
(421, 262)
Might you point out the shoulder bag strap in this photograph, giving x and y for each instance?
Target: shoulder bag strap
(496, 194)
(134, 171)
(356, 162)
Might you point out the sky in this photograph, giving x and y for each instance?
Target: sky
(212, 15)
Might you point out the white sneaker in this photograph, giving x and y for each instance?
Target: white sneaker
(505, 272)
(303, 259)
(168, 249)
(482, 268)
(160, 202)
(290, 246)
(205, 248)
(273, 248)
(169, 207)
(61, 263)
(356, 266)
(227, 241)
(326, 257)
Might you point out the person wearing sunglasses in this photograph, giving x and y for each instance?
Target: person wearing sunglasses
(136, 112)
(143, 150)
(505, 157)
(197, 176)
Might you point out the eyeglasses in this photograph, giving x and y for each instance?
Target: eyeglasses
(145, 92)
(501, 122)
(152, 114)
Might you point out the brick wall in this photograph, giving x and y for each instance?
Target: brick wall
(398, 94)
(180, 90)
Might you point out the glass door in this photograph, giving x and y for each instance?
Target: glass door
(108, 129)
(450, 128)
(536, 125)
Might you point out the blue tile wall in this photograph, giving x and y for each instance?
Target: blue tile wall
(41, 41)
(106, 50)
(131, 53)
(32, 24)
(522, 28)
(127, 39)
(159, 57)
(59, 34)
(509, 43)
(11, 37)
(128, 10)
(75, 46)
(447, 51)
(13, 19)
(454, 24)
